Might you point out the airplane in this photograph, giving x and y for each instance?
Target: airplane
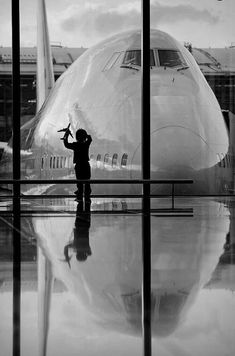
(66, 130)
(101, 92)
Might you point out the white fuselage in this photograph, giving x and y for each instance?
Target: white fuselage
(102, 95)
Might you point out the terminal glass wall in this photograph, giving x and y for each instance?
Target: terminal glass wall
(81, 268)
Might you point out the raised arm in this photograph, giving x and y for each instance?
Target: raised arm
(66, 143)
(89, 139)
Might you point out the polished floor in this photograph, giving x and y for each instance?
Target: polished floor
(81, 277)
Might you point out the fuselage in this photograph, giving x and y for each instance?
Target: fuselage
(101, 92)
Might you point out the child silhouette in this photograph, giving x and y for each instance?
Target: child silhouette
(81, 160)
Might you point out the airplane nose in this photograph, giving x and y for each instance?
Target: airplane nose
(178, 146)
(176, 152)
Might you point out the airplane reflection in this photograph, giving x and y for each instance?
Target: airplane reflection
(165, 308)
(189, 257)
(228, 256)
(45, 287)
(108, 285)
(223, 274)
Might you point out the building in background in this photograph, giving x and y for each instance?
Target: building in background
(218, 67)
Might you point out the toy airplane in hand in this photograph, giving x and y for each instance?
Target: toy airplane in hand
(66, 130)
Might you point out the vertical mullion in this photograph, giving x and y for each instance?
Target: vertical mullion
(146, 218)
(16, 174)
(16, 91)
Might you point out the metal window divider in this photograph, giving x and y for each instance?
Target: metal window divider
(146, 161)
(15, 16)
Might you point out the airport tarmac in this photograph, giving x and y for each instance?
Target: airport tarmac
(81, 277)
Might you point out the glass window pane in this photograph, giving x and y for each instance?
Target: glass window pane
(134, 57)
(170, 58)
(111, 62)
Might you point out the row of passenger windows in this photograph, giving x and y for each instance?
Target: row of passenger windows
(56, 162)
(110, 160)
(158, 57)
(59, 162)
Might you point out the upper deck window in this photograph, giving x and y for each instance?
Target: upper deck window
(133, 57)
(170, 58)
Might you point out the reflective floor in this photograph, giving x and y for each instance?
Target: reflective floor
(81, 277)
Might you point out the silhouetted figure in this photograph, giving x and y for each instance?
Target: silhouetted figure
(81, 160)
(80, 243)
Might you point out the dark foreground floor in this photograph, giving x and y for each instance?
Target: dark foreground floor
(82, 275)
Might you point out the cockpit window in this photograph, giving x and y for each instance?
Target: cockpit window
(170, 58)
(133, 57)
(111, 62)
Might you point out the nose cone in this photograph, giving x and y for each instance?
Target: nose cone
(176, 147)
(179, 122)
(165, 312)
(176, 151)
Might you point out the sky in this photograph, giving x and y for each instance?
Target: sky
(76, 23)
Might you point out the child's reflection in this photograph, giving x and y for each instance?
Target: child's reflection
(80, 243)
